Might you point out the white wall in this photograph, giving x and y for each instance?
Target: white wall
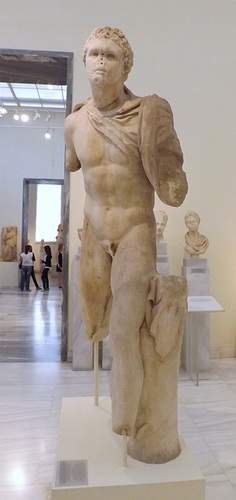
(184, 51)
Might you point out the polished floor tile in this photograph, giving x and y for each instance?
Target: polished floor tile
(33, 383)
(30, 325)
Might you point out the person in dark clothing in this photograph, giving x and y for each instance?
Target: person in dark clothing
(47, 266)
(59, 265)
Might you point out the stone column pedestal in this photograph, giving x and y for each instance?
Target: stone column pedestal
(198, 279)
(162, 260)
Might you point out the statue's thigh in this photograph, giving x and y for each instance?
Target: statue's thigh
(94, 277)
(132, 270)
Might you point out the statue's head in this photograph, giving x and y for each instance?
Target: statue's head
(192, 220)
(117, 36)
(161, 221)
(161, 217)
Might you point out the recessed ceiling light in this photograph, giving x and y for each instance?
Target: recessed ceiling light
(24, 117)
(3, 111)
(47, 135)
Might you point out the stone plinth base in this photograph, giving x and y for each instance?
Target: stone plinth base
(198, 278)
(162, 259)
(9, 274)
(87, 448)
(197, 275)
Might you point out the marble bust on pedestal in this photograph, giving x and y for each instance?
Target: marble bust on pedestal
(195, 243)
(161, 221)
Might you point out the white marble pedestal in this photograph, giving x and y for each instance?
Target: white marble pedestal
(194, 345)
(197, 274)
(9, 274)
(162, 259)
(89, 463)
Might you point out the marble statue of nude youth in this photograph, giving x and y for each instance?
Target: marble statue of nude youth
(127, 148)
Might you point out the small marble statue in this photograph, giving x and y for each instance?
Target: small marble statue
(161, 221)
(127, 148)
(9, 244)
(196, 243)
(59, 236)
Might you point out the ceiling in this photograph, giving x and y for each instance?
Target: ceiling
(29, 81)
(32, 96)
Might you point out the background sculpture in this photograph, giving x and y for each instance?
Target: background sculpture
(161, 221)
(127, 148)
(9, 244)
(59, 236)
(196, 243)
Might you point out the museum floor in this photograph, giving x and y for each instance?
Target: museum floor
(33, 383)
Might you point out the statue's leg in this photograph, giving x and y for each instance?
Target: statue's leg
(133, 265)
(94, 286)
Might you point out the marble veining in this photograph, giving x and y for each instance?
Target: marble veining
(30, 401)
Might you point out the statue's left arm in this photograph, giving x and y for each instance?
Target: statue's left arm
(160, 151)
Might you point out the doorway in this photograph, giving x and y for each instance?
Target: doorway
(51, 68)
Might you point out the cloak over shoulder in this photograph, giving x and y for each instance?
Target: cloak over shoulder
(143, 128)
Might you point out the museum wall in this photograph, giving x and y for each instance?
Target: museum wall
(184, 51)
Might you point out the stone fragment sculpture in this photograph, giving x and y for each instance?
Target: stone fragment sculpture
(195, 243)
(9, 244)
(59, 236)
(127, 149)
(161, 221)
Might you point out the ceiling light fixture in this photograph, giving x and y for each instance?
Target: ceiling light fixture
(48, 117)
(3, 110)
(47, 135)
(24, 117)
(36, 116)
(16, 116)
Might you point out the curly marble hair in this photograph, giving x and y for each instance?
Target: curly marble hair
(116, 36)
(162, 215)
(190, 213)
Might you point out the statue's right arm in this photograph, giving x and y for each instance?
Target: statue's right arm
(72, 161)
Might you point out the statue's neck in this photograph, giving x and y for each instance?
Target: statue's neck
(108, 98)
(193, 234)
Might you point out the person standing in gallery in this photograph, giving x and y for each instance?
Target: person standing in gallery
(59, 265)
(26, 261)
(47, 266)
(32, 271)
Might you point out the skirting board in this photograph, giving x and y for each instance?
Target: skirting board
(88, 450)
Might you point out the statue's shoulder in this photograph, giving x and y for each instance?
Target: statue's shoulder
(80, 105)
(71, 120)
(155, 101)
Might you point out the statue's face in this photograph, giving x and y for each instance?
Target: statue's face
(160, 226)
(192, 223)
(105, 62)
